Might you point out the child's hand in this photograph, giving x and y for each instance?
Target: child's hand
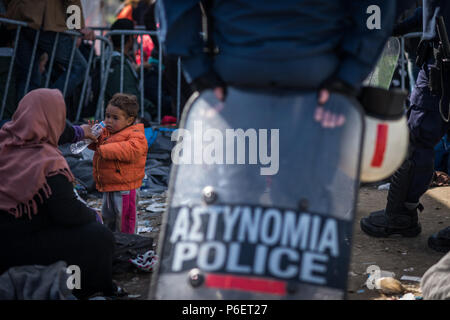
(87, 130)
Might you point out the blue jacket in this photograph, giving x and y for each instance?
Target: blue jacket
(299, 43)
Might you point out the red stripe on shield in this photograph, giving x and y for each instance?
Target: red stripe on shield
(380, 147)
(246, 284)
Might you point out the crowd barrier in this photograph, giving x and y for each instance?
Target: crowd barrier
(122, 34)
(105, 44)
(104, 49)
(403, 61)
(19, 25)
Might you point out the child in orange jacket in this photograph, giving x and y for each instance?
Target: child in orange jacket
(119, 162)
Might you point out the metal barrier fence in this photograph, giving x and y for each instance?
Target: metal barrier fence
(106, 49)
(10, 70)
(140, 33)
(75, 35)
(122, 34)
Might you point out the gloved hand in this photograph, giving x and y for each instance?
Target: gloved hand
(339, 86)
(210, 81)
(327, 118)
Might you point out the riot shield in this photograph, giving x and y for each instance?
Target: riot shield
(382, 74)
(261, 199)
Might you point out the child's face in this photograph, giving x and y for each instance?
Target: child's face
(116, 119)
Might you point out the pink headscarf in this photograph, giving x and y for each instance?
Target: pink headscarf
(29, 151)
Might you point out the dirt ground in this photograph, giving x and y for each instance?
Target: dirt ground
(404, 257)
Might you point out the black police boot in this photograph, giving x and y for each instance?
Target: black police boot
(396, 218)
(384, 224)
(440, 241)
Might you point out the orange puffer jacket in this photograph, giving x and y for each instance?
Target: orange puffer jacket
(119, 159)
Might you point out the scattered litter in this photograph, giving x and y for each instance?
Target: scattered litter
(384, 186)
(389, 285)
(141, 203)
(360, 291)
(384, 274)
(145, 223)
(419, 298)
(152, 214)
(352, 274)
(145, 262)
(78, 196)
(409, 278)
(409, 269)
(156, 207)
(134, 296)
(145, 229)
(387, 274)
(408, 296)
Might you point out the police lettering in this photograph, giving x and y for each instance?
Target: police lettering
(285, 245)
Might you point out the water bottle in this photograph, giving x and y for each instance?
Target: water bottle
(144, 189)
(144, 185)
(79, 146)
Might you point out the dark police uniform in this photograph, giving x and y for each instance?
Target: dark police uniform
(289, 43)
(427, 127)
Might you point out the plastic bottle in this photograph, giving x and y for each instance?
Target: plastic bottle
(79, 146)
(144, 185)
(144, 189)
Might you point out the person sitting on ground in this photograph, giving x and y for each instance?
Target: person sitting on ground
(119, 162)
(41, 220)
(130, 84)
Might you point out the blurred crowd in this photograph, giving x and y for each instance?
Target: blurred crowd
(131, 15)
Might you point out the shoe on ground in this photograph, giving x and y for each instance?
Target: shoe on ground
(381, 225)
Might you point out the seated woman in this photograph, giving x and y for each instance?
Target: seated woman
(41, 220)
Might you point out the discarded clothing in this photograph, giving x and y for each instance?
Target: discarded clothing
(36, 283)
(158, 173)
(146, 262)
(436, 281)
(128, 247)
(81, 169)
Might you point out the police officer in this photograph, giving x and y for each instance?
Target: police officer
(290, 43)
(426, 120)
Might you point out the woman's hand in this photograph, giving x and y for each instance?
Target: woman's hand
(87, 128)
